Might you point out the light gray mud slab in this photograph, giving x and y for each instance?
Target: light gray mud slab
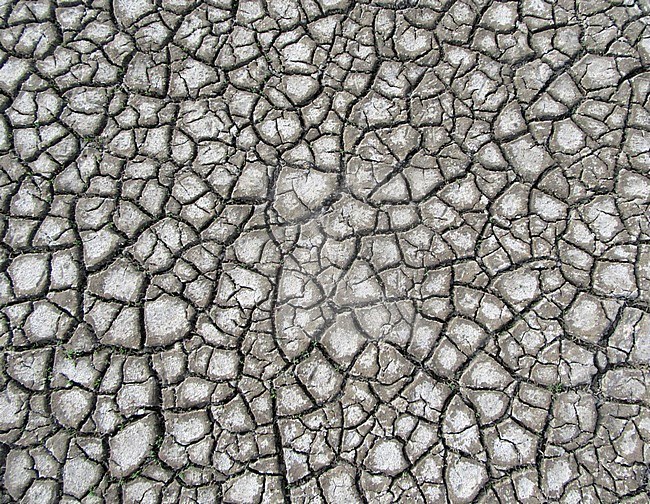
(324, 251)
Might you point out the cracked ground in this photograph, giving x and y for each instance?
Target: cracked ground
(324, 251)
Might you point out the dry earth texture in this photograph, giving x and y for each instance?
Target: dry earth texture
(324, 251)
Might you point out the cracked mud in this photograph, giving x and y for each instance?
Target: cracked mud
(324, 251)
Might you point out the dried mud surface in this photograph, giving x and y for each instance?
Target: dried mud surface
(324, 251)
